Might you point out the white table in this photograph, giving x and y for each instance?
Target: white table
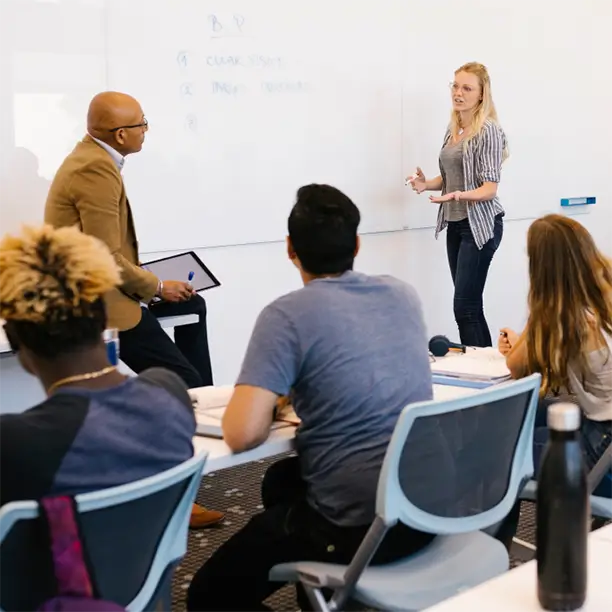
(220, 456)
(515, 591)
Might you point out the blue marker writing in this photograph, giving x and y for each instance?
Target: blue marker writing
(190, 277)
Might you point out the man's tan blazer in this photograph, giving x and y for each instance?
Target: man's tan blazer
(88, 192)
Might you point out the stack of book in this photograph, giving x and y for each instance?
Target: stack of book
(477, 368)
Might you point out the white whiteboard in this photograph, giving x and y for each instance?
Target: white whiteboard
(550, 63)
(247, 101)
(52, 61)
(250, 100)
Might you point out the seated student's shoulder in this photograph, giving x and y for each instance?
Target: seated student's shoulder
(171, 393)
(401, 289)
(34, 443)
(289, 309)
(60, 411)
(323, 293)
(173, 384)
(285, 306)
(387, 280)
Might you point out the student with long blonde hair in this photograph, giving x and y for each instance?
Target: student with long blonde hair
(568, 336)
(472, 154)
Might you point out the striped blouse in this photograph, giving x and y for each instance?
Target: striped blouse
(482, 160)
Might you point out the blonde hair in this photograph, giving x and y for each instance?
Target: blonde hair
(570, 295)
(49, 275)
(485, 109)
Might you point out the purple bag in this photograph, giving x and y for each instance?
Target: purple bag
(75, 590)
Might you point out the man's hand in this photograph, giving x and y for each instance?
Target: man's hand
(176, 291)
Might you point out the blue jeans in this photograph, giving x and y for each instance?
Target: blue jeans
(469, 267)
(596, 437)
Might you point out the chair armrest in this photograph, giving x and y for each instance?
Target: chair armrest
(530, 491)
(320, 580)
(600, 469)
(317, 575)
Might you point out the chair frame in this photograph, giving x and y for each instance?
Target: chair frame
(392, 505)
(601, 507)
(172, 545)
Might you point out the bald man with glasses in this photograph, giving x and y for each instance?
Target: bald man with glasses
(88, 192)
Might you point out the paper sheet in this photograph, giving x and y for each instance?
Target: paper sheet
(479, 364)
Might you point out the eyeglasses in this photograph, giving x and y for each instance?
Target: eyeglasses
(144, 124)
(466, 89)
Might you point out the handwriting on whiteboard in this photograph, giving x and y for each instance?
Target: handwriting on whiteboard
(273, 87)
(181, 59)
(239, 61)
(229, 88)
(226, 28)
(230, 65)
(191, 123)
(234, 61)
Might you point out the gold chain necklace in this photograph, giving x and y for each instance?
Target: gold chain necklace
(79, 377)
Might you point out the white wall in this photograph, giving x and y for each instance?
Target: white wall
(254, 275)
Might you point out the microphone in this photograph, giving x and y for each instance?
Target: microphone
(440, 345)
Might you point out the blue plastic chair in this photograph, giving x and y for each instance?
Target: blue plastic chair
(133, 536)
(453, 468)
(601, 507)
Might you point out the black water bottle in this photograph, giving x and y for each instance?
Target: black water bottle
(563, 513)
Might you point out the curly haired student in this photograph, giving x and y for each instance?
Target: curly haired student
(97, 428)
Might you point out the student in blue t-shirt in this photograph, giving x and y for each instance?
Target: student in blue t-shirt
(352, 351)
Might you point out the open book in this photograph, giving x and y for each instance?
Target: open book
(209, 406)
(482, 364)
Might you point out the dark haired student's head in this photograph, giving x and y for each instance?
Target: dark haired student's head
(323, 238)
(52, 282)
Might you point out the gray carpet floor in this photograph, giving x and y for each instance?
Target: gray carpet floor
(236, 491)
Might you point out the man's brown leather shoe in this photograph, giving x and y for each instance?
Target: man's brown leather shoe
(201, 517)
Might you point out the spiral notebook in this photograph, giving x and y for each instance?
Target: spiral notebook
(479, 365)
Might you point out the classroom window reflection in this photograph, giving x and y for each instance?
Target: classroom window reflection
(46, 126)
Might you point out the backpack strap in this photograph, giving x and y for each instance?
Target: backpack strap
(66, 547)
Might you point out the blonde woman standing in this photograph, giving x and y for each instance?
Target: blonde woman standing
(470, 161)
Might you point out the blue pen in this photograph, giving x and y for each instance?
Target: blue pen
(190, 277)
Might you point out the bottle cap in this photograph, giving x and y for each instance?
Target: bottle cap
(563, 416)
